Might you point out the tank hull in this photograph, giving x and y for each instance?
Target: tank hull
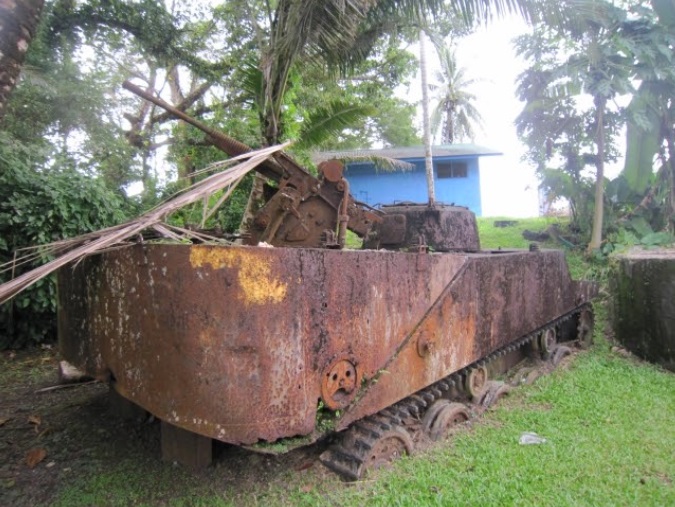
(244, 344)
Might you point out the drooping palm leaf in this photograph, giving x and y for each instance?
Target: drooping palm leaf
(648, 110)
(436, 117)
(481, 11)
(643, 138)
(329, 121)
(252, 84)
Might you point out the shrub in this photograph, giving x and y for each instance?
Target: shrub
(38, 207)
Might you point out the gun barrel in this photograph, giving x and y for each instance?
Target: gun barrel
(223, 142)
(330, 195)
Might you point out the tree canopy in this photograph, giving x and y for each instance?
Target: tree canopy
(573, 122)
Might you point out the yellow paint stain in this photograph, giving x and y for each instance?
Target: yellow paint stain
(254, 274)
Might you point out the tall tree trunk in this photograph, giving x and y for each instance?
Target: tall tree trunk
(450, 125)
(596, 234)
(18, 22)
(428, 160)
(668, 133)
(671, 180)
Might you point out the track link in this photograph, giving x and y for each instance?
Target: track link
(356, 450)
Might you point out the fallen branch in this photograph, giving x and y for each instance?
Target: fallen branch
(65, 386)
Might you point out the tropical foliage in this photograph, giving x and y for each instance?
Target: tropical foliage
(651, 113)
(322, 73)
(580, 69)
(38, 207)
(455, 113)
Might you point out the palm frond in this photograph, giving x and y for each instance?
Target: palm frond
(481, 11)
(436, 118)
(380, 162)
(406, 9)
(252, 84)
(329, 121)
(323, 26)
(72, 250)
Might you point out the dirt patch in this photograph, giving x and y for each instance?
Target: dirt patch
(33, 438)
(53, 440)
(53, 437)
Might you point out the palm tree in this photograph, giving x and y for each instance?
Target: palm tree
(339, 33)
(18, 22)
(455, 109)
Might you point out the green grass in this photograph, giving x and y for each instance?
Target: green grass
(610, 440)
(610, 429)
(609, 422)
(143, 483)
(493, 238)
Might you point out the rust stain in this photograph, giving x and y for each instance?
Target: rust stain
(206, 339)
(254, 274)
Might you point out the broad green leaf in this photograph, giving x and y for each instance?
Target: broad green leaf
(657, 239)
(330, 120)
(643, 139)
(641, 226)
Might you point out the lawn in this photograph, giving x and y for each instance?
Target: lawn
(608, 420)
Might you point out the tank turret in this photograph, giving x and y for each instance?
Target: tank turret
(439, 227)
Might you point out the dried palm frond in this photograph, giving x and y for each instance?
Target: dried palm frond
(72, 250)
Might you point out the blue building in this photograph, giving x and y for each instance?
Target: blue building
(456, 175)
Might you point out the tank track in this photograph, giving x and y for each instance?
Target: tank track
(351, 455)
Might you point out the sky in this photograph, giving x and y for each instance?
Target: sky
(508, 185)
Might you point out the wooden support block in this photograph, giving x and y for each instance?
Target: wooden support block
(185, 447)
(124, 408)
(69, 374)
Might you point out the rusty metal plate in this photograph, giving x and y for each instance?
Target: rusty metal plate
(233, 342)
(491, 301)
(241, 343)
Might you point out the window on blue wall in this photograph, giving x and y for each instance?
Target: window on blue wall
(451, 169)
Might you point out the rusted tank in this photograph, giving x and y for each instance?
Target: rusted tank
(249, 345)
(252, 345)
